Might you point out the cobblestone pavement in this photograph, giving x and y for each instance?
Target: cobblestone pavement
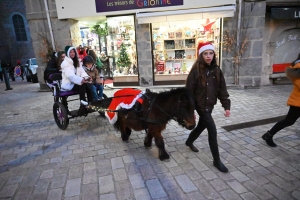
(88, 160)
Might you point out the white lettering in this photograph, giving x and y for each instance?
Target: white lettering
(278, 44)
(297, 16)
(292, 37)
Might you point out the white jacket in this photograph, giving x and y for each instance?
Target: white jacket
(71, 75)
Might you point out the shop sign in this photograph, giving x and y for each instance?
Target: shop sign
(118, 5)
(288, 38)
(285, 13)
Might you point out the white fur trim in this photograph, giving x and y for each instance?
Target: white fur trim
(123, 105)
(206, 47)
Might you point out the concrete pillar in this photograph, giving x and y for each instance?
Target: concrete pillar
(144, 54)
(65, 32)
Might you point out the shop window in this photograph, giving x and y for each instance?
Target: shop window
(19, 28)
(121, 45)
(175, 45)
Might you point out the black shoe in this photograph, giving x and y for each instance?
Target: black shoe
(192, 147)
(220, 166)
(269, 139)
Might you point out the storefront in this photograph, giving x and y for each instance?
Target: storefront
(153, 42)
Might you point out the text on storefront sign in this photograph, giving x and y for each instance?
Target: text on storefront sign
(117, 5)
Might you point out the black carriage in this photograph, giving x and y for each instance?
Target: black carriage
(61, 112)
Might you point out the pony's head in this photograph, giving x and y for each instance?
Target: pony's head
(184, 110)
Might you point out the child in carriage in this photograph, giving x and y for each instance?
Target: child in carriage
(90, 69)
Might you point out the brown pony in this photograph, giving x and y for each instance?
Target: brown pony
(153, 115)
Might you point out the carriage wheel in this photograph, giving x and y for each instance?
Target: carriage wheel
(60, 115)
(102, 114)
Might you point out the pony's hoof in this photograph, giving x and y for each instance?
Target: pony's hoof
(164, 157)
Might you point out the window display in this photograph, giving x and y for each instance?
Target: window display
(175, 44)
(121, 48)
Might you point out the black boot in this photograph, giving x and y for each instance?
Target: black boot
(269, 139)
(192, 147)
(220, 166)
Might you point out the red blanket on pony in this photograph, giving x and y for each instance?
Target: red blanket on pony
(124, 98)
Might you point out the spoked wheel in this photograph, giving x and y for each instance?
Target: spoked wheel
(60, 115)
(102, 114)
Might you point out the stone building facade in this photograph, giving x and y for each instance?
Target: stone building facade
(256, 26)
(15, 40)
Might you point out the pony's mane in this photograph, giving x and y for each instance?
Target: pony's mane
(172, 92)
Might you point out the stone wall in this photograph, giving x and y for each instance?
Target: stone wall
(12, 50)
(143, 38)
(65, 32)
(252, 29)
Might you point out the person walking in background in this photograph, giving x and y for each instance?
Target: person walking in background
(206, 83)
(293, 73)
(105, 61)
(21, 68)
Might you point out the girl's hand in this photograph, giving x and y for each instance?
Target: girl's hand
(227, 113)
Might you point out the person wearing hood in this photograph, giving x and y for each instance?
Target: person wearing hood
(293, 73)
(206, 83)
(73, 75)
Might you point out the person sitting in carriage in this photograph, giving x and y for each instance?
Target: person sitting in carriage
(90, 69)
(74, 77)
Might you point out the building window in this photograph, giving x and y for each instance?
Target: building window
(19, 28)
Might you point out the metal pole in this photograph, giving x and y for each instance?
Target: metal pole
(238, 43)
(49, 24)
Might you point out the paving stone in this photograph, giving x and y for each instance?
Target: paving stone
(106, 184)
(119, 174)
(124, 190)
(90, 191)
(75, 171)
(8, 191)
(170, 185)
(276, 191)
(89, 177)
(47, 174)
(41, 186)
(155, 188)
(110, 196)
(185, 183)
(73, 187)
(13, 180)
(30, 179)
(257, 190)
(198, 164)
(236, 186)
(219, 184)
(117, 163)
(206, 189)
(136, 181)
(239, 176)
(89, 166)
(142, 193)
(58, 181)
(55, 194)
(249, 196)
(229, 194)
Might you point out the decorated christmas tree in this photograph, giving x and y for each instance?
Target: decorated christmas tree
(123, 60)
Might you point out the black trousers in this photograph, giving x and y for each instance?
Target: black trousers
(289, 120)
(82, 89)
(206, 122)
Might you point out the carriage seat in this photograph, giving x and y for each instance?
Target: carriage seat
(55, 86)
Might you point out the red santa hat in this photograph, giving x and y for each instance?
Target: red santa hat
(203, 46)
